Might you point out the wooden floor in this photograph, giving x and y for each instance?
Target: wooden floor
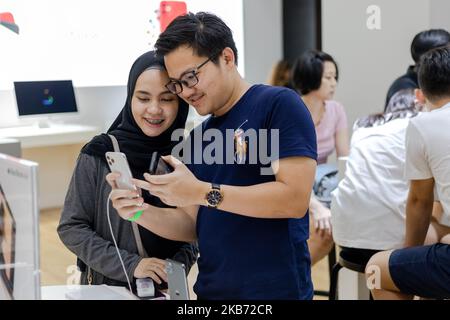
(58, 263)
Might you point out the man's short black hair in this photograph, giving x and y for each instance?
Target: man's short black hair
(427, 40)
(308, 71)
(434, 73)
(204, 32)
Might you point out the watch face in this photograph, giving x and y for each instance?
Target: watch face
(214, 197)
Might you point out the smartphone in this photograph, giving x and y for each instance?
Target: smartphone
(168, 11)
(158, 166)
(117, 162)
(177, 281)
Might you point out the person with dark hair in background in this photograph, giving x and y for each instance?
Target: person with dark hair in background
(422, 42)
(250, 217)
(150, 115)
(280, 74)
(417, 269)
(314, 76)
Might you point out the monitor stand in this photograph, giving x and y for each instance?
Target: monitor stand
(47, 122)
(43, 123)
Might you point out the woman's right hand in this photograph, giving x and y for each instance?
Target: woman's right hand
(126, 202)
(151, 268)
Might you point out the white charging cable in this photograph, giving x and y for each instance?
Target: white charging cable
(115, 244)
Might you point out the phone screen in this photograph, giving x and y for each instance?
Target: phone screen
(158, 166)
(163, 167)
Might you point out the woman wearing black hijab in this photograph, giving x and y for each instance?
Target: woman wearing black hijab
(150, 115)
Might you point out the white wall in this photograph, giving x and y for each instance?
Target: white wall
(369, 60)
(440, 10)
(98, 99)
(92, 42)
(263, 35)
(99, 102)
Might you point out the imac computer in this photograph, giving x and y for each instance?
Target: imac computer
(42, 99)
(19, 230)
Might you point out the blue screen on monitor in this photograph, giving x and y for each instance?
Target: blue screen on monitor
(45, 97)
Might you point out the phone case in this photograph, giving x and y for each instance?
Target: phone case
(169, 10)
(176, 276)
(117, 162)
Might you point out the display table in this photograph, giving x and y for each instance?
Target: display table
(93, 292)
(79, 292)
(56, 149)
(57, 134)
(10, 147)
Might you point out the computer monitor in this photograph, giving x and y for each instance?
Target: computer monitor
(37, 98)
(19, 229)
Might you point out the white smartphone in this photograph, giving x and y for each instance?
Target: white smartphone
(177, 281)
(117, 162)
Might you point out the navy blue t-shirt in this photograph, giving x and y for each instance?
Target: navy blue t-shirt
(243, 257)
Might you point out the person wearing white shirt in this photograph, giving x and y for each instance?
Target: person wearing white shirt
(417, 269)
(368, 207)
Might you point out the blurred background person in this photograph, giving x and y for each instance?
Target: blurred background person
(314, 76)
(280, 74)
(370, 202)
(422, 42)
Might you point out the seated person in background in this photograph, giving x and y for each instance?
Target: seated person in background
(368, 207)
(315, 76)
(421, 43)
(417, 269)
(280, 75)
(83, 227)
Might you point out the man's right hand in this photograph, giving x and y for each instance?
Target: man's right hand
(126, 202)
(151, 268)
(178, 224)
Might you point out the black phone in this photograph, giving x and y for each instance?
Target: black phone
(158, 166)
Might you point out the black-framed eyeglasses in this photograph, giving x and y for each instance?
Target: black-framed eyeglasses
(188, 79)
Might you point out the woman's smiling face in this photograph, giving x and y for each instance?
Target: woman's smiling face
(154, 108)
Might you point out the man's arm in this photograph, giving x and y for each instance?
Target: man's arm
(178, 224)
(418, 211)
(287, 197)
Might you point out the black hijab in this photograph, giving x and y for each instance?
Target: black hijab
(137, 146)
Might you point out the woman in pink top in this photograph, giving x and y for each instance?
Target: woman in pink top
(315, 76)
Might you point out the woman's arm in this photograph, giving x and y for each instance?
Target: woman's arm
(341, 135)
(77, 228)
(342, 143)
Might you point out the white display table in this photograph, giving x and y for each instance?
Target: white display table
(79, 292)
(57, 134)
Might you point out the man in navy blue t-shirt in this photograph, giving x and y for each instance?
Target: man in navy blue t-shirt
(244, 187)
